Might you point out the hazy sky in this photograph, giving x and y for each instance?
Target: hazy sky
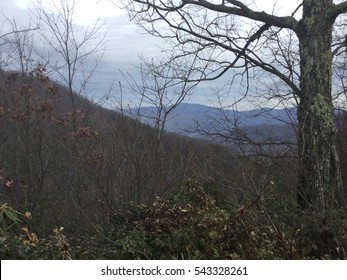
(124, 42)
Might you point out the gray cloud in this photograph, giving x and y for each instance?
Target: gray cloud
(10, 11)
(124, 43)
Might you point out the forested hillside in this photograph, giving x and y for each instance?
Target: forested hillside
(85, 171)
(72, 164)
(81, 177)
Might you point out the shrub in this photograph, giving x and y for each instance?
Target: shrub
(189, 225)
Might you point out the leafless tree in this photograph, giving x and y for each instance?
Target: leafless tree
(17, 47)
(160, 90)
(74, 52)
(160, 87)
(233, 35)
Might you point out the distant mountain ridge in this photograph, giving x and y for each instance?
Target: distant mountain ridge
(186, 118)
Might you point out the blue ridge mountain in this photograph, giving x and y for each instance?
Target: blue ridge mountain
(202, 121)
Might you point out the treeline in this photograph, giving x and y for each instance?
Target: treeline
(78, 177)
(74, 166)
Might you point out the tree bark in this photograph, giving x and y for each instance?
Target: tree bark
(319, 174)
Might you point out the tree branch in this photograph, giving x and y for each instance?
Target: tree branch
(240, 9)
(243, 52)
(212, 34)
(339, 9)
(18, 31)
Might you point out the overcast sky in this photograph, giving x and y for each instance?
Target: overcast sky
(124, 42)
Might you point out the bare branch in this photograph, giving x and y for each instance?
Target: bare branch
(240, 9)
(17, 31)
(339, 9)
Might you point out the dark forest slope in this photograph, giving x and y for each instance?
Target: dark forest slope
(68, 162)
(79, 176)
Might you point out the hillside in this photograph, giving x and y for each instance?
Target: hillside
(82, 182)
(71, 162)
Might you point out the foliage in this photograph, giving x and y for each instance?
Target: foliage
(8, 218)
(26, 245)
(190, 225)
(23, 243)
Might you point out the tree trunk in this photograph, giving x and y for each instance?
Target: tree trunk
(319, 174)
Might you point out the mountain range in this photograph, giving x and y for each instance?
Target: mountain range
(201, 121)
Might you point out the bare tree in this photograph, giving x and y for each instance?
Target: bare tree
(76, 51)
(161, 87)
(17, 47)
(160, 91)
(230, 34)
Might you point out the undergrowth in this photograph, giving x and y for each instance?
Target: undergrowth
(187, 225)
